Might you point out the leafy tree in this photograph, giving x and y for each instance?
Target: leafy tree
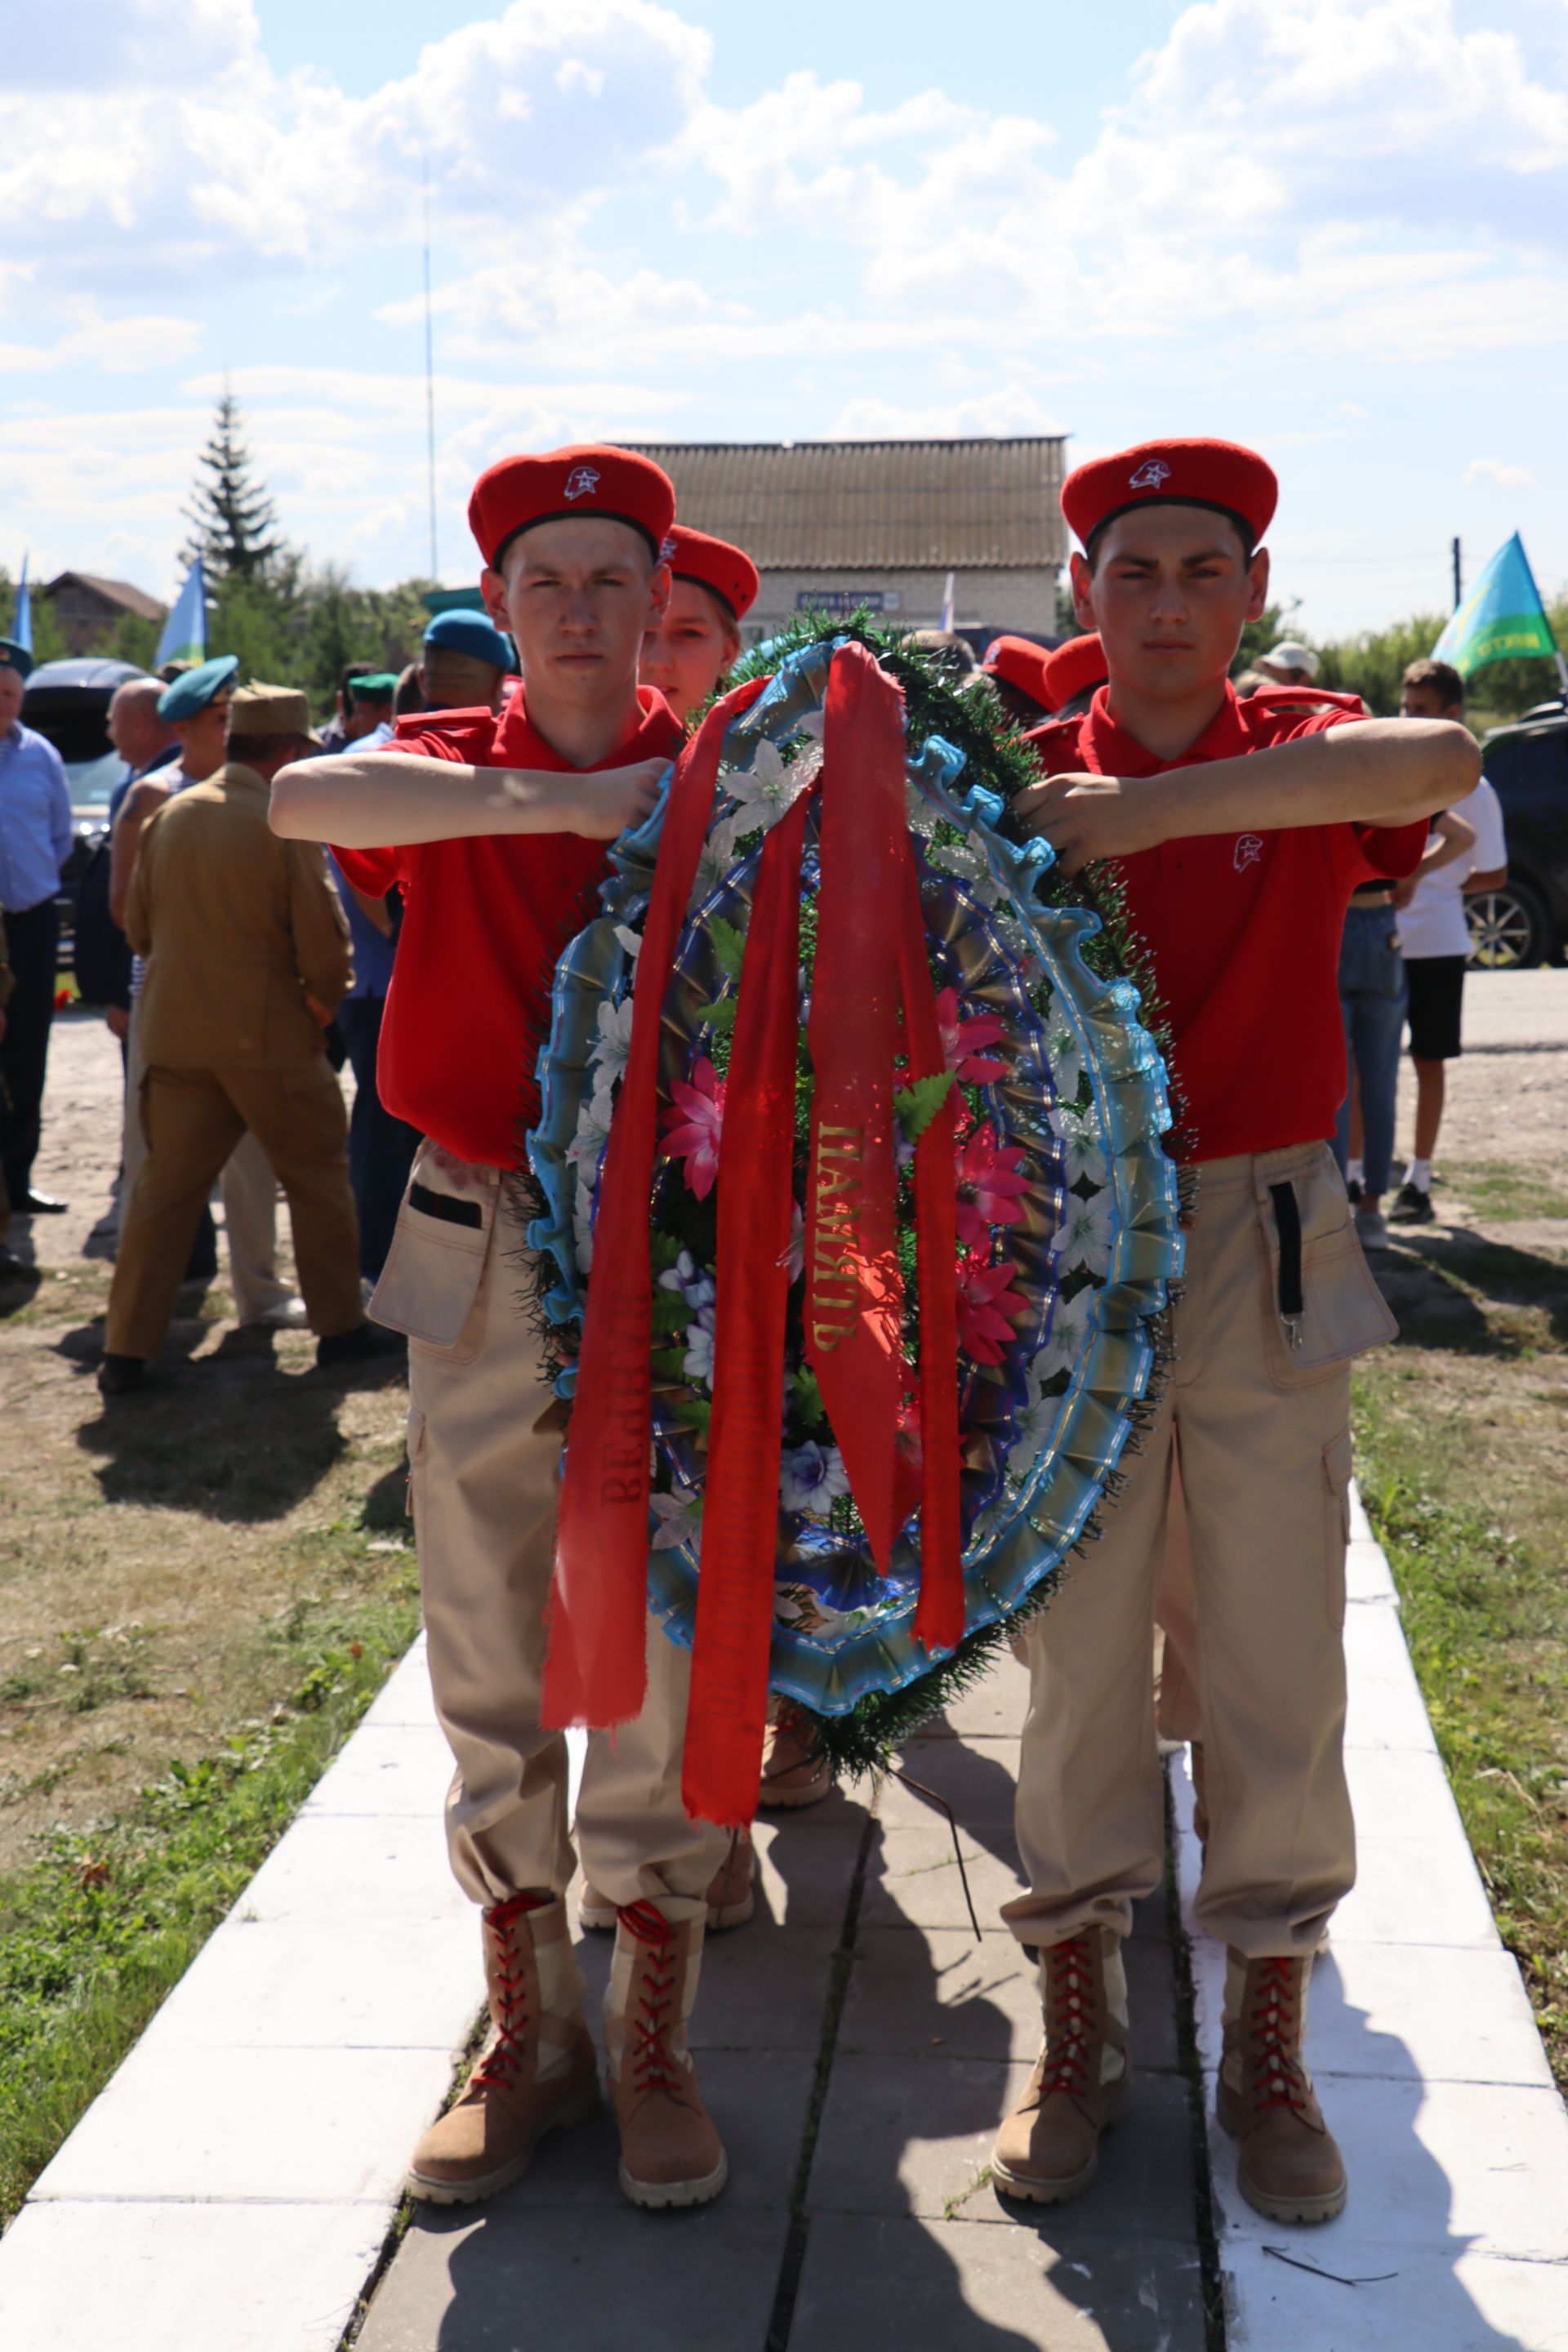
(235, 522)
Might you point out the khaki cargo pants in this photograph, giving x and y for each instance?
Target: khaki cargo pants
(1262, 1434)
(484, 1450)
(193, 1120)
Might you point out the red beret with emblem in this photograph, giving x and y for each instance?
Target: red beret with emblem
(1220, 475)
(1072, 669)
(1021, 662)
(587, 480)
(713, 563)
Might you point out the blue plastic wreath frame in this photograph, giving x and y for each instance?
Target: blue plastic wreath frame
(1046, 1514)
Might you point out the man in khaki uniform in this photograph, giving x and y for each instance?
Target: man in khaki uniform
(248, 954)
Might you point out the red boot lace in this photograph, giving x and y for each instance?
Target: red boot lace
(1071, 2017)
(508, 2014)
(653, 2066)
(1276, 2078)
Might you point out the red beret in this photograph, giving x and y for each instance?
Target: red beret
(1072, 669)
(1021, 662)
(1218, 473)
(588, 480)
(713, 563)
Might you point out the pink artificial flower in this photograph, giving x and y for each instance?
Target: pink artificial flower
(963, 1037)
(987, 1311)
(989, 1184)
(694, 1124)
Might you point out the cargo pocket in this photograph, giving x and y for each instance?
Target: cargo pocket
(430, 1286)
(1322, 1306)
(1337, 1515)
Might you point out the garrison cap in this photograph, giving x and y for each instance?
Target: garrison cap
(727, 571)
(1219, 475)
(1021, 663)
(1072, 669)
(588, 478)
(375, 685)
(473, 634)
(194, 688)
(258, 709)
(15, 656)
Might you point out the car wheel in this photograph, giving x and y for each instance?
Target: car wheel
(1509, 929)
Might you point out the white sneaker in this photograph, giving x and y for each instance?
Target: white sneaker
(288, 1315)
(1370, 1229)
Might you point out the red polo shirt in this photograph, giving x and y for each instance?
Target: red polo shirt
(484, 920)
(1242, 930)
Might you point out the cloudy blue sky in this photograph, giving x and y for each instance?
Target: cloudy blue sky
(1336, 229)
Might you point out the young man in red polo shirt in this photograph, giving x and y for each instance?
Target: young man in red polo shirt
(1239, 830)
(571, 548)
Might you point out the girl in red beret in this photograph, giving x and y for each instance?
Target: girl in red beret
(697, 639)
(1239, 830)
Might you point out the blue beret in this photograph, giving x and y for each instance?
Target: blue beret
(15, 656)
(194, 688)
(471, 634)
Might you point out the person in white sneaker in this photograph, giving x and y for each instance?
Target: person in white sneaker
(1435, 937)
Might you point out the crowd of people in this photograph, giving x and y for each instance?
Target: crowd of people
(1242, 824)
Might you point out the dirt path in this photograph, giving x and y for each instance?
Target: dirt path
(149, 1558)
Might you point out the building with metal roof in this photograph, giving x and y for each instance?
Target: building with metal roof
(833, 524)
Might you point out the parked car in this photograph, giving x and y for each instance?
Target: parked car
(68, 702)
(1526, 922)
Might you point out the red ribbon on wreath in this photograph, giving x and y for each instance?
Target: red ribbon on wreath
(870, 961)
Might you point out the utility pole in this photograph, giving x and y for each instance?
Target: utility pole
(430, 389)
(1458, 578)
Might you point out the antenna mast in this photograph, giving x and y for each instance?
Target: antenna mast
(429, 381)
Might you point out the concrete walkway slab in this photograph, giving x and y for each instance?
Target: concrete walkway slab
(858, 2046)
(949, 2287)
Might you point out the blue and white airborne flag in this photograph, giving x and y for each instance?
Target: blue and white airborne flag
(22, 624)
(185, 636)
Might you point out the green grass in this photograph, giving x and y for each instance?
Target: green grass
(1460, 1439)
(95, 1933)
(1502, 1192)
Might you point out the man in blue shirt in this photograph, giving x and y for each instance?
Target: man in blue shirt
(36, 839)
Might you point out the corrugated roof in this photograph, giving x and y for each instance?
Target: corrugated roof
(797, 506)
(118, 592)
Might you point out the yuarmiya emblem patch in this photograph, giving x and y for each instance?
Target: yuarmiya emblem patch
(1150, 474)
(582, 482)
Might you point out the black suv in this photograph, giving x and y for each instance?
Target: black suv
(1526, 922)
(68, 701)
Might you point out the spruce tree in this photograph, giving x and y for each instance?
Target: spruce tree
(235, 522)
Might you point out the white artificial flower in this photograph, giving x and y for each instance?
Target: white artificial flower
(811, 1479)
(1036, 1426)
(679, 1520)
(1064, 1055)
(1078, 1134)
(631, 941)
(919, 814)
(587, 1148)
(767, 789)
(698, 1362)
(712, 863)
(1085, 1233)
(969, 862)
(1070, 1327)
(613, 1045)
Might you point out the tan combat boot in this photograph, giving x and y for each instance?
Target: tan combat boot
(793, 1773)
(730, 1896)
(536, 2070)
(1290, 2169)
(670, 2152)
(1048, 2148)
